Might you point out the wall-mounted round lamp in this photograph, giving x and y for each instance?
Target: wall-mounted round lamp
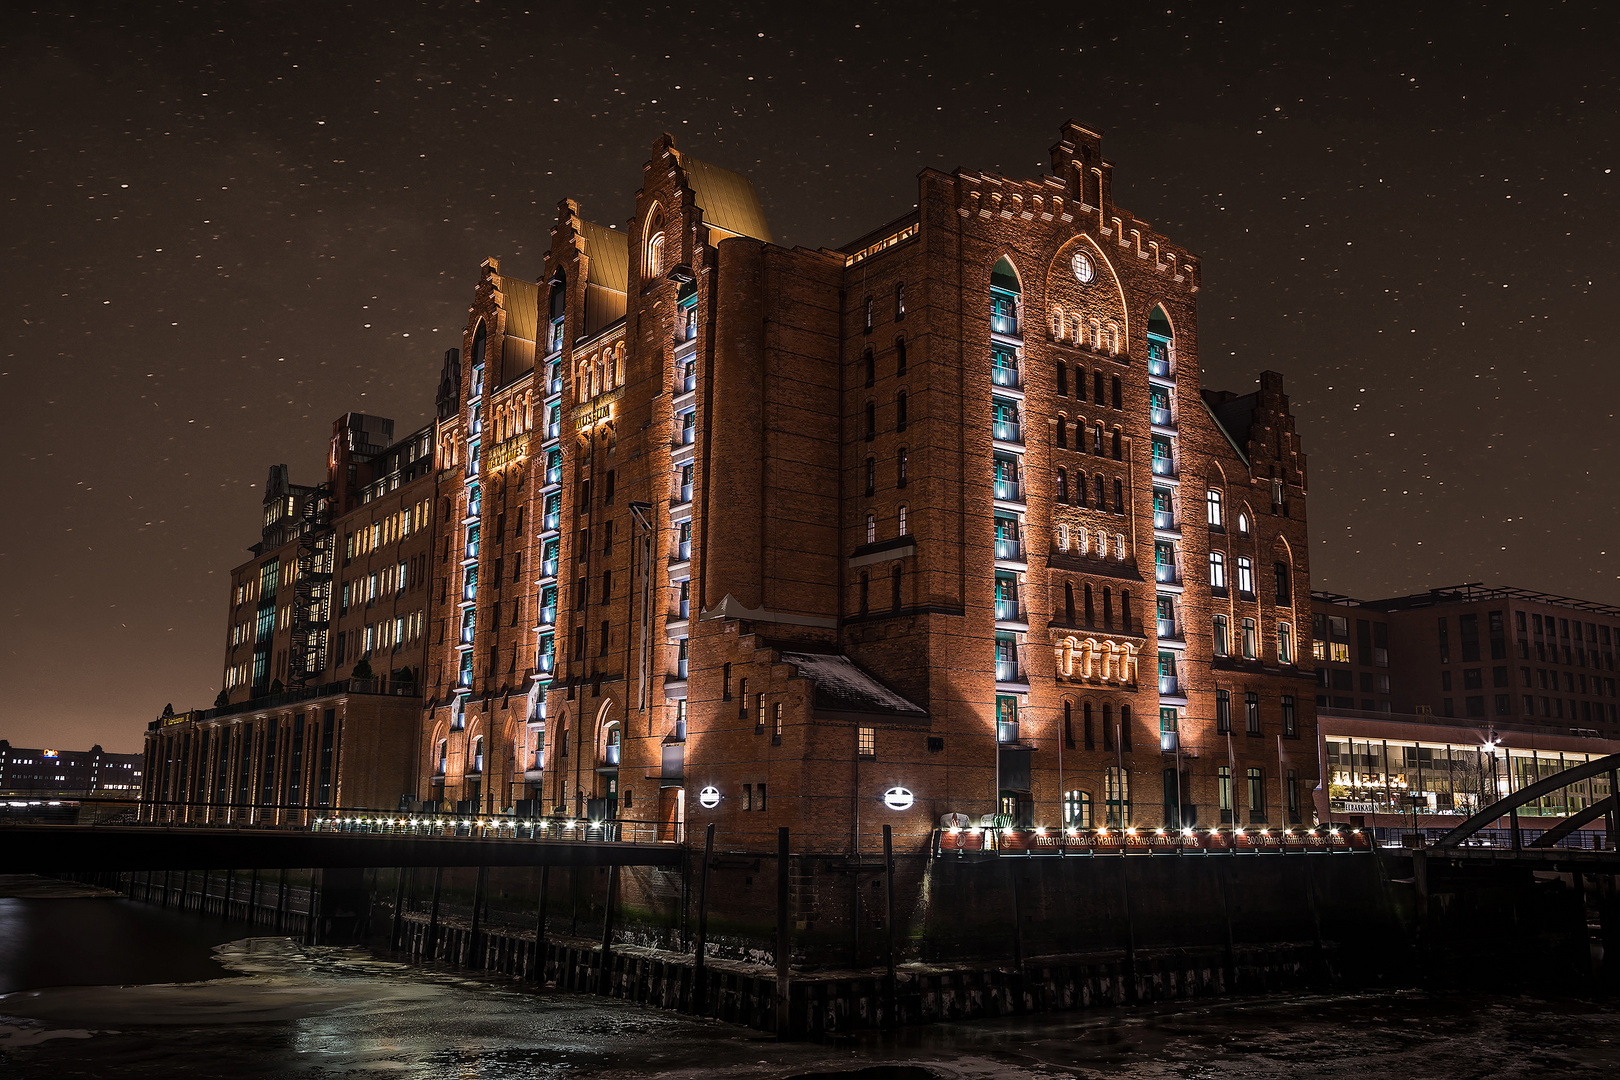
(709, 798)
(898, 798)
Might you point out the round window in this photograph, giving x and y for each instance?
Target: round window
(1084, 271)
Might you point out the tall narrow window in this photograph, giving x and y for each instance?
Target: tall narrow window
(1251, 650)
(900, 467)
(1119, 497)
(894, 588)
(871, 475)
(1285, 590)
(725, 682)
(1257, 794)
(1080, 384)
(1062, 431)
(1245, 576)
(1090, 734)
(1068, 604)
(1118, 448)
(1062, 484)
(1097, 384)
(1062, 382)
(868, 316)
(1290, 722)
(1223, 712)
(900, 356)
(1251, 712)
(900, 411)
(871, 528)
(1285, 643)
(899, 301)
(871, 420)
(871, 367)
(900, 516)
(1224, 788)
(1223, 645)
(1217, 570)
(1118, 396)
(866, 587)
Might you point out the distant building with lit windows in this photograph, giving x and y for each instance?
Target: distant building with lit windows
(25, 771)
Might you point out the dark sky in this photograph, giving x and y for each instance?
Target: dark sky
(227, 224)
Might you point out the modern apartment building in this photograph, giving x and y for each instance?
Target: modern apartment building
(939, 521)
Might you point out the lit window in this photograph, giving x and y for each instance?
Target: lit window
(904, 529)
(1285, 644)
(871, 528)
(1339, 652)
(1213, 503)
(1217, 570)
(1250, 642)
(1319, 650)
(1222, 639)
(867, 742)
(1245, 576)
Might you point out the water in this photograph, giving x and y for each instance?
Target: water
(101, 987)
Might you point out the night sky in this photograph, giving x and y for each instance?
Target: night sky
(227, 224)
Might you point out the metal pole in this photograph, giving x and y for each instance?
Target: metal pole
(1513, 820)
(538, 973)
(1018, 922)
(604, 982)
(1614, 793)
(432, 949)
(399, 911)
(888, 917)
(783, 944)
(1130, 927)
(469, 949)
(699, 985)
(281, 902)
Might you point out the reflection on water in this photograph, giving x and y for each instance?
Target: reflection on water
(268, 1007)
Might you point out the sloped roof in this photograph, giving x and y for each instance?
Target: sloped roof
(609, 252)
(728, 199)
(842, 687)
(522, 307)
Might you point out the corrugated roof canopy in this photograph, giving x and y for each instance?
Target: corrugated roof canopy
(842, 687)
(728, 199)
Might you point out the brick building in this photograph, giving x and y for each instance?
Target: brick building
(25, 771)
(324, 642)
(940, 521)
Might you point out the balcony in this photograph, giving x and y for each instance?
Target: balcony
(1158, 364)
(553, 475)
(1011, 550)
(1167, 628)
(550, 521)
(688, 378)
(681, 550)
(1170, 685)
(469, 593)
(1007, 611)
(1004, 323)
(1007, 377)
(680, 670)
(1163, 466)
(537, 761)
(1161, 417)
(1165, 574)
(683, 610)
(548, 616)
(1007, 672)
(555, 385)
(1006, 731)
(552, 429)
(1169, 741)
(548, 567)
(610, 754)
(682, 495)
(1164, 519)
(544, 663)
(466, 635)
(470, 552)
(1008, 490)
(1007, 431)
(688, 435)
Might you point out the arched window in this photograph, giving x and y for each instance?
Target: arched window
(1077, 808)
(870, 361)
(1217, 570)
(894, 587)
(1118, 395)
(1212, 504)
(905, 527)
(1062, 381)
(900, 467)
(871, 420)
(1118, 448)
(1285, 643)
(871, 528)
(476, 763)
(1091, 614)
(1243, 524)
(1223, 637)
(899, 301)
(1108, 726)
(1005, 301)
(871, 475)
(1102, 491)
(1119, 497)
(1062, 431)
(1062, 484)
(1125, 608)
(1057, 325)
(899, 356)
(1080, 396)
(1068, 724)
(1068, 605)
(1063, 537)
(443, 757)
(1160, 343)
(653, 265)
(480, 338)
(1108, 606)
(900, 411)
(611, 748)
(866, 586)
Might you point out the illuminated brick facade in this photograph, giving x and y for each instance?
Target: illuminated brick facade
(946, 511)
